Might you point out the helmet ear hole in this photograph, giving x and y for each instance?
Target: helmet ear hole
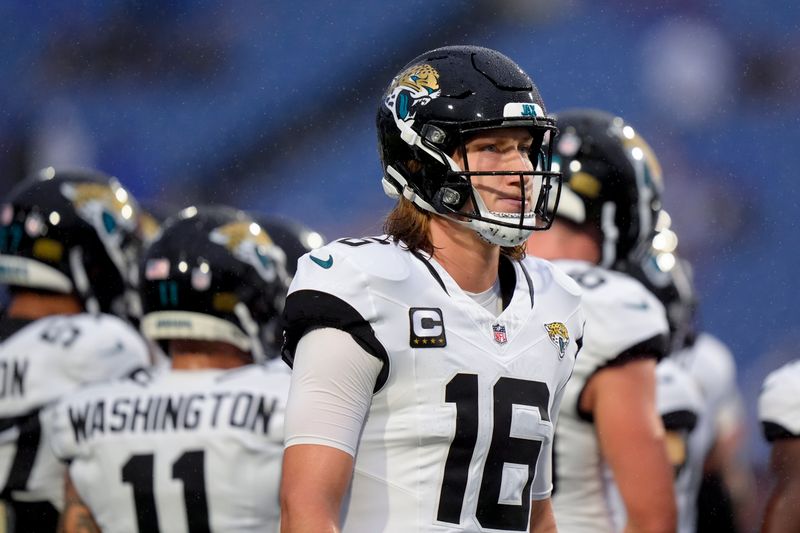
(452, 196)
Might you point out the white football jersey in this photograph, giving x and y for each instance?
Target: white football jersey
(779, 403)
(623, 321)
(458, 435)
(40, 363)
(679, 402)
(177, 451)
(712, 366)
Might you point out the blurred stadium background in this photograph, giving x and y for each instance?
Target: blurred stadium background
(270, 106)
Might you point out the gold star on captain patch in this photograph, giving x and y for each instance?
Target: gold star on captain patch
(424, 341)
(416, 341)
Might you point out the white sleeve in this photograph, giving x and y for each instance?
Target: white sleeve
(333, 379)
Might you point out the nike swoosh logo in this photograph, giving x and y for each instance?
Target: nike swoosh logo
(640, 306)
(327, 263)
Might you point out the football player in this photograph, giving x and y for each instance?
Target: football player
(429, 363)
(714, 489)
(779, 411)
(679, 398)
(68, 252)
(198, 446)
(610, 426)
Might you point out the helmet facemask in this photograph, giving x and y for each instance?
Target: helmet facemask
(454, 195)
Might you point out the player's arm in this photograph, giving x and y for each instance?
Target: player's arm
(76, 516)
(543, 520)
(331, 391)
(783, 508)
(631, 436)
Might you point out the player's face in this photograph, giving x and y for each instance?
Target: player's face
(498, 150)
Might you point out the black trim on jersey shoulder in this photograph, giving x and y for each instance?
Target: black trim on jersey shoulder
(579, 343)
(306, 310)
(774, 431)
(653, 348)
(432, 270)
(528, 280)
(9, 326)
(508, 279)
(682, 419)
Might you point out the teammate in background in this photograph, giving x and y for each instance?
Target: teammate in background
(779, 412)
(610, 426)
(715, 489)
(68, 252)
(679, 404)
(679, 398)
(429, 363)
(198, 446)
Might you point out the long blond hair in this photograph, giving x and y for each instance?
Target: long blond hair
(408, 223)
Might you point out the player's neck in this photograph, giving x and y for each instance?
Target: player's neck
(34, 305)
(205, 355)
(561, 242)
(470, 261)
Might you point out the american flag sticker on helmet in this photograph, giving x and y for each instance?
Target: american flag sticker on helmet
(156, 269)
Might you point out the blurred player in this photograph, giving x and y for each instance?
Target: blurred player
(196, 447)
(68, 245)
(779, 411)
(429, 363)
(679, 399)
(610, 427)
(714, 471)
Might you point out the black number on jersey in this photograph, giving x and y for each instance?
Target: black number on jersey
(61, 332)
(463, 391)
(189, 468)
(588, 279)
(361, 242)
(30, 435)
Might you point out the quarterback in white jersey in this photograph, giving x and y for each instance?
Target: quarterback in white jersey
(459, 430)
(429, 364)
(177, 451)
(610, 428)
(779, 412)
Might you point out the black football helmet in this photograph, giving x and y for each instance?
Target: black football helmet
(294, 238)
(670, 278)
(213, 274)
(72, 232)
(612, 181)
(430, 110)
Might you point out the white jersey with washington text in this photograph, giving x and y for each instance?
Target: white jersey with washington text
(177, 451)
(712, 366)
(623, 321)
(679, 403)
(458, 435)
(40, 363)
(779, 403)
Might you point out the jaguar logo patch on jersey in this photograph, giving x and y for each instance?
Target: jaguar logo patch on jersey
(413, 88)
(559, 335)
(427, 327)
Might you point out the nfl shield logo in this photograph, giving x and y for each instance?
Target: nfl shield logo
(499, 334)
